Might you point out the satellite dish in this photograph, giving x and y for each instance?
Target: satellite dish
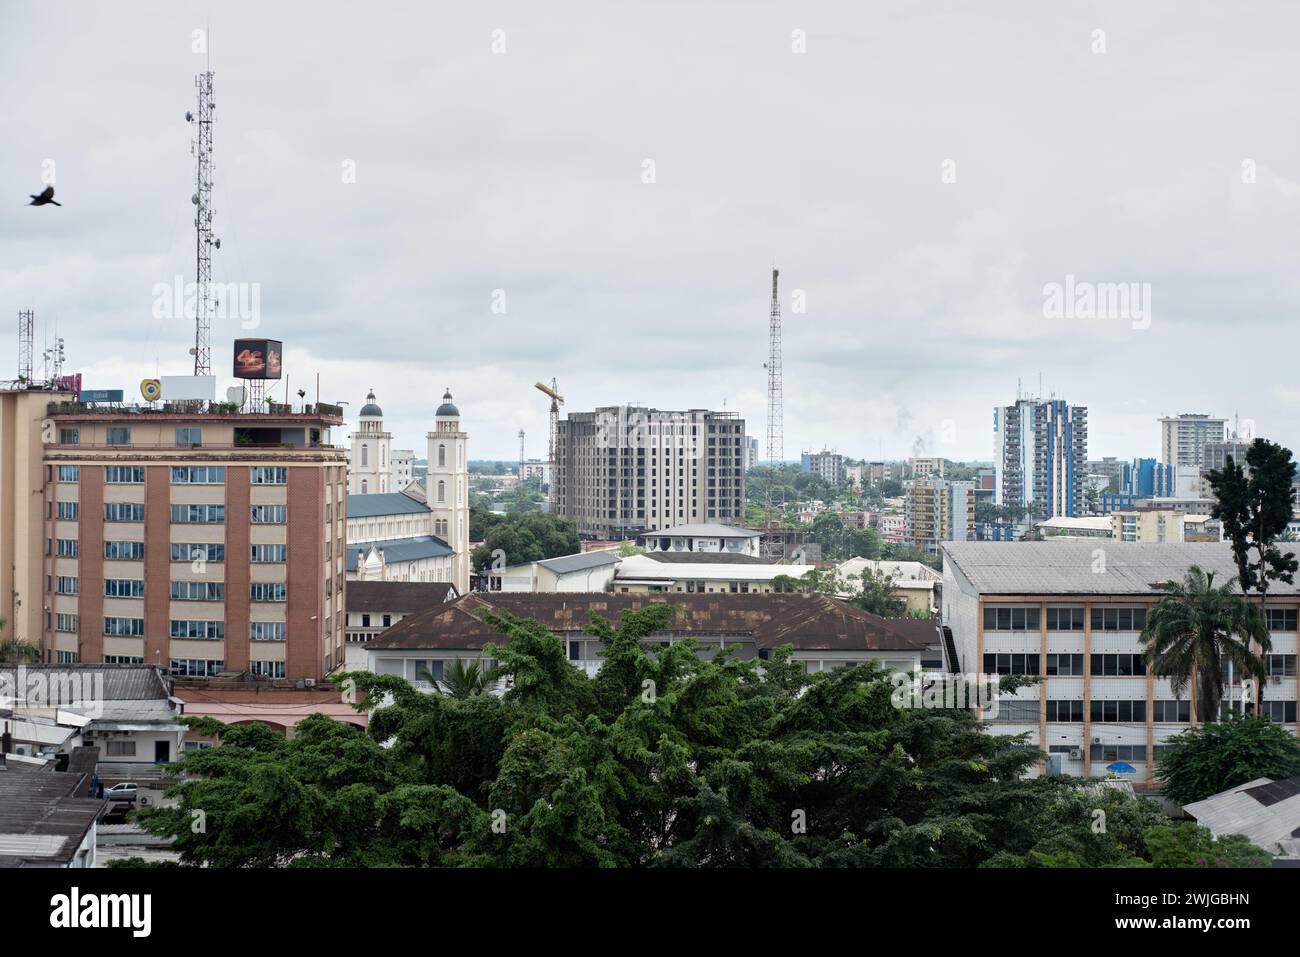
(189, 117)
(235, 394)
(195, 199)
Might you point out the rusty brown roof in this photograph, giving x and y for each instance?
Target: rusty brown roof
(809, 622)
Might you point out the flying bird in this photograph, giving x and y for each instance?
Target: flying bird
(47, 196)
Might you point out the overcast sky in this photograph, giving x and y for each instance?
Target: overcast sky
(523, 171)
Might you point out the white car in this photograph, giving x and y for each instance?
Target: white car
(126, 791)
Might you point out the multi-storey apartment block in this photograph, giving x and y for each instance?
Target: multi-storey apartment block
(1183, 437)
(939, 511)
(624, 470)
(199, 541)
(829, 466)
(1040, 456)
(1072, 613)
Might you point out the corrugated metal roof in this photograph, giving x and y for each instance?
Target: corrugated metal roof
(403, 597)
(563, 564)
(401, 549)
(375, 504)
(1239, 811)
(1088, 568)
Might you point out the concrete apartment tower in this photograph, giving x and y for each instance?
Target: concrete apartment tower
(371, 470)
(447, 486)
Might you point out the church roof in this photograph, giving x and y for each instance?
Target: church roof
(398, 550)
(374, 504)
(370, 409)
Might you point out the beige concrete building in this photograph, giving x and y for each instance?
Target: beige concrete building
(199, 541)
(939, 511)
(624, 470)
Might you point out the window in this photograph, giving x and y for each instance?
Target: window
(268, 553)
(1065, 619)
(1010, 619)
(198, 552)
(118, 435)
(124, 627)
(1280, 666)
(69, 436)
(365, 455)
(267, 669)
(1015, 710)
(268, 474)
(198, 474)
(120, 749)
(428, 670)
(64, 622)
(124, 659)
(1119, 752)
(1064, 710)
(1118, 711)
(267, 631)
(1126, 665)
(364, 486)
(124, 551)
(1171, 711)
(268, 591)
(198, 591)
(68, 548)
(442, 455)
(124, 474)
(198, 628)
(1065, 665)
(1279, 711)
(68, 657)
(1119, 619)
(1280, 619)
(187, 438)
(69, 473)
(198, 514)
(68, 511)
(269, 514)
(123, 588)
(1011, 664)
(196, 667)
(67, 585)
(124, 511)
(442, 491)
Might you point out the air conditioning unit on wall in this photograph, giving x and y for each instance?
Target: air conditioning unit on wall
(1076, 754)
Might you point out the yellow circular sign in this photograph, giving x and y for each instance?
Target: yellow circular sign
(151, 389)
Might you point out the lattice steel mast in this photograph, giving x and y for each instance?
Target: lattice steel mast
(775, 425)
(204, 241)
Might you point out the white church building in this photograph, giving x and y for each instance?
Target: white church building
(411, 533)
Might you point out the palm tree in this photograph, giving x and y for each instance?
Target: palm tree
(1197, 626)
(461, 678)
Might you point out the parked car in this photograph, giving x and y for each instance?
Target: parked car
(125, 791)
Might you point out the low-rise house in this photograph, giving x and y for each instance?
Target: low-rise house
(47, 818)
(688, 572)
(915, 582)
(373, 606)
(703, 537)
(127, 711)
(587, 571)
(826, 633)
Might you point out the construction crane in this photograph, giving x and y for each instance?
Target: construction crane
(557, 400)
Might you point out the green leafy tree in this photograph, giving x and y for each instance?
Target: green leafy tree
(1254, 504)
(528, 537)
(877, 592)
(1215, 757)
(16, 651)
(1194, 628)
(1187, 844)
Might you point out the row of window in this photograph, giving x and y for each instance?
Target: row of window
(198, 629)
(180, 590)
(1016, 663)
(1063, 619)
(1100, 712)
(181, 474)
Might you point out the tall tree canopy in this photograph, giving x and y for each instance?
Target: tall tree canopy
(1254, 502)
(661, 759)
